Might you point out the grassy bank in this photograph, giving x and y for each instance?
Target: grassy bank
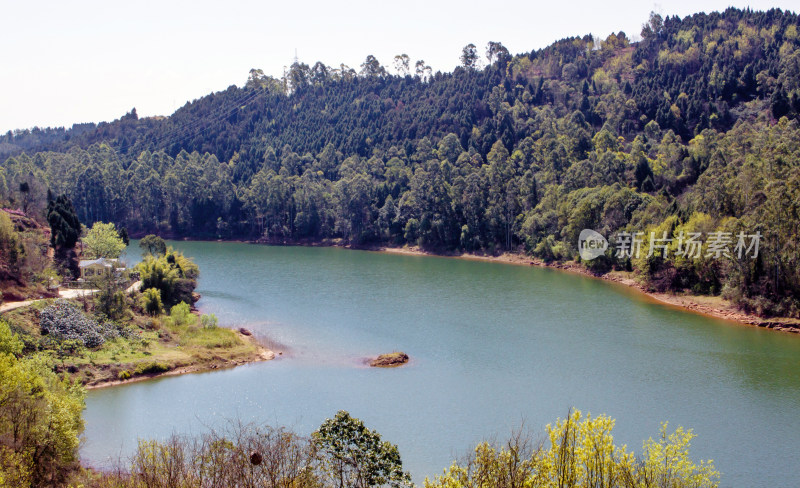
(144, 347)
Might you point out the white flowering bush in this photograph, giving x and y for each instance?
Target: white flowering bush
(64, 320)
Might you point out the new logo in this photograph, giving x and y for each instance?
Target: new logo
(591, 244)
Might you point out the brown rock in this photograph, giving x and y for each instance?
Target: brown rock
(389, 360)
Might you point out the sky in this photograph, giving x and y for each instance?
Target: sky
(91, 61)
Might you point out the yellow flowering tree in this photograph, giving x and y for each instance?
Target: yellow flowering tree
(580, 453)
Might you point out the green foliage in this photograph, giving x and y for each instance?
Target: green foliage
(40, 423)
(181, 315)
(153, 245)
(209, 321)
(210, 338)
(152, 367)
(110, 301)
(103, 241)
(581, 452)
(355, 456)
(124, 375)
(173, 275)
(65, 228)
(8, 236)
(123, 234)
(10, 343)
(700, 115)
(151, 301)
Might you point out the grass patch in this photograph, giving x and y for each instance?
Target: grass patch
(156, 345)
(217, 338)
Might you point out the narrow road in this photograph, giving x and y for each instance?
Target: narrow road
(133, 287)
(68, 293)
(12, 305)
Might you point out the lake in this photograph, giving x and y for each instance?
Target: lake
(493, 347)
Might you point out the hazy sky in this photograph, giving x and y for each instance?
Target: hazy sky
(88, 61)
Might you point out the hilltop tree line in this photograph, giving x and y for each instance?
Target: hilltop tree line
(693, 128)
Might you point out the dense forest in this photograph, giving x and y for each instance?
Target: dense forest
(692, 129)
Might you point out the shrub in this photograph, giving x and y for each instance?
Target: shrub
(151, 368)
(63, 320)
(110, 300)
(209, 321)
(10, 343)
(151, 301)
(581, 452)
(180, 315)
(124, 374)
(40, 423)
(173, 274)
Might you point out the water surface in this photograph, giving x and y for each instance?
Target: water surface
(493, 346)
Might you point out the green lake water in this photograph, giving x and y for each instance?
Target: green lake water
(493, 346)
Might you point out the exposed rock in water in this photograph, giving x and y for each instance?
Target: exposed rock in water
(389, 360)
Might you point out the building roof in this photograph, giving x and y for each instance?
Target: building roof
(106, 263)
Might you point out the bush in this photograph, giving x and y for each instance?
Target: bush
(124, 374)
(180, 315)
(173, 274)
(151, 301)
(40, 423)
(209, 321)
(64, 321)
(151, 368)
(10, 343)
(243, 455)
(581, 452)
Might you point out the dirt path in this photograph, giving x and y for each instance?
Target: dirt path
(68, 293)
(133, 287)
(12, 305)
(76, 293)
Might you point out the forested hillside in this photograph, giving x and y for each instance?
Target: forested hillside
(692, 129)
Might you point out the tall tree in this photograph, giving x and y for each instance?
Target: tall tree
(469, 56)
(103, 241)
(65, 228)
(356, 457)
(401, 64)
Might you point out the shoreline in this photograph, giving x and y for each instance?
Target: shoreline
(262, 354)
(714, 307)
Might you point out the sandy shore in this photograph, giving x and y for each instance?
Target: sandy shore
(709, 306)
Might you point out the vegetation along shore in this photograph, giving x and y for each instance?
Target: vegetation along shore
(712, 306)
(685, 135)
(118, 325)
(691, 130)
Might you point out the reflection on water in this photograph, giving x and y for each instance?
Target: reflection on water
(491, 345)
